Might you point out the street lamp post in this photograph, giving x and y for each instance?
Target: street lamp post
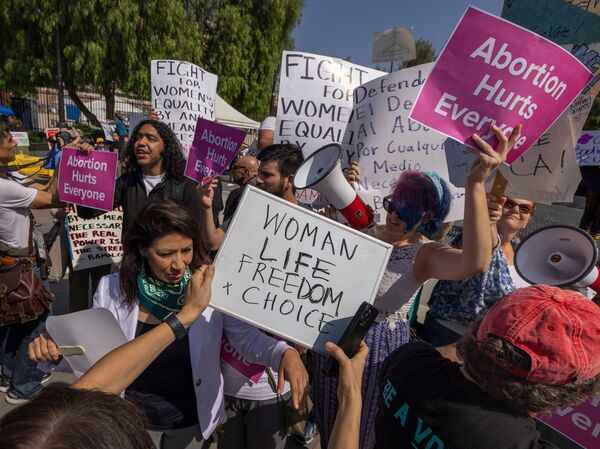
(59, 81)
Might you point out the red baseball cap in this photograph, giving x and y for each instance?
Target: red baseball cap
(558, 329)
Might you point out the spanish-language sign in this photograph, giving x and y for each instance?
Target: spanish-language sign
(387, 142)
(396, 44)
(182, 93)
(87, 179)
(315, 99)
(95, 241)
(21, 137)
(579, 423)
(213, 149)
(230, 356)
(554, 19)
(492, 72)
(587, 150)
(293, 272)
(548, 172)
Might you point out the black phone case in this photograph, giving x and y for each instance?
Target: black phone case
(361, 322)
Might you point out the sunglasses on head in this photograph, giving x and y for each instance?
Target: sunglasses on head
(388, 206)
(523, 208)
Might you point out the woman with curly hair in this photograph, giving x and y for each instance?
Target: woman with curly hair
(153, 170)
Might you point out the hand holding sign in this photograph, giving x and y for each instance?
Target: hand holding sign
(488, 158)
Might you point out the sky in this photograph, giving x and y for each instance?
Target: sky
(345, 28)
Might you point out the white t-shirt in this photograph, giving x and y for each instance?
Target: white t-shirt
(15, 200)
(152, 181)
(238, 386)
(516, 277)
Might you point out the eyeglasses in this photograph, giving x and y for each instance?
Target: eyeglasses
(523, 208)
(388, 206)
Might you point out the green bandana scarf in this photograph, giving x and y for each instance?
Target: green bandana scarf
(161, 298)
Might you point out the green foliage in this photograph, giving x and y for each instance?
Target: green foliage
(107, 45)
(425, 53)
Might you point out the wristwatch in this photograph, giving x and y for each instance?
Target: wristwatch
(178, 329)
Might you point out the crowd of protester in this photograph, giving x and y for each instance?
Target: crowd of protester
(497, 351)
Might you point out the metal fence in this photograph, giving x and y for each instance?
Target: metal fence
(40, 110)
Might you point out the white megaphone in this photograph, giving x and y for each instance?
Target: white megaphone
(560, 256)
(322, 171)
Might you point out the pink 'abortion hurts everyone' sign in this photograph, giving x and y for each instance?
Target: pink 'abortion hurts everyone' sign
(87, 179)
(212, 150)
(491, 72)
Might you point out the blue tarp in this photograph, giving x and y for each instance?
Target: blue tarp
(6, 111)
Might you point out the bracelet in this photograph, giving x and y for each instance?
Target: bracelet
(176, 326)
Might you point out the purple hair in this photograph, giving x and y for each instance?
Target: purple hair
(419, 193)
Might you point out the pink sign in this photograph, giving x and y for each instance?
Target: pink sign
(491, 72)
(229, 355)
(580, 423)
(87, 179)
(213, 149)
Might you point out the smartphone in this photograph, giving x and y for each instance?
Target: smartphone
(350, 341)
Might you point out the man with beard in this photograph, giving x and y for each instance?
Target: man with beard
(278, 164)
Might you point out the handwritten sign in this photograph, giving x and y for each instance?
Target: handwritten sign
(96, 241)
(588, 148)
(387, 142)
(554, 19)
(230, 356)
(396, 44)
(315, 99)
(579, 423)
(492, 72)
(87, 179)
(548, 172)
(213, 149)
(293, 272)
(182, 93)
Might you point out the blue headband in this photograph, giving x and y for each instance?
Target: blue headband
(437, 182)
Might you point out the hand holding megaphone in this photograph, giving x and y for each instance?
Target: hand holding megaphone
(322, 172)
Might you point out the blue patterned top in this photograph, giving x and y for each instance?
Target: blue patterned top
(466, 301)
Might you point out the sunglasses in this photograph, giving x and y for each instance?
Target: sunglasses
(523, 208)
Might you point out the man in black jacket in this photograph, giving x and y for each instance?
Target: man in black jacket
(154, 165)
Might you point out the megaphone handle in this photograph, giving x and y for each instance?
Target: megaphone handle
(500, 184)
(70, 350)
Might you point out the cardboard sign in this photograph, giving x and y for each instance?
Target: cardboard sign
(579, 423)
(95, 241)
(21, 137)
(547, 173)
(554, 19)
(396, 44)
(295, 273)
(182, 93)
(230, 356)
(87, 179)
(315, 99)
(387, 142)
(587, 150)
(95, 330)
(213, 149)
(493, 72)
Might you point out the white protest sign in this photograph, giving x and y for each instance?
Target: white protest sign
(588, 148)
(182, 93)
(134, 120)
(108, 130)
(547, 173)
(315, 99)
(21, 137)
(96, 331)
(295, 273)
(95, 241)
(387, 142)
(396, 44)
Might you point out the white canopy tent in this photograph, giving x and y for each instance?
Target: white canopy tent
(228, 115)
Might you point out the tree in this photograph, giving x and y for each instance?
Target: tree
(245, 47)
(425, 53)
(107, 45)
